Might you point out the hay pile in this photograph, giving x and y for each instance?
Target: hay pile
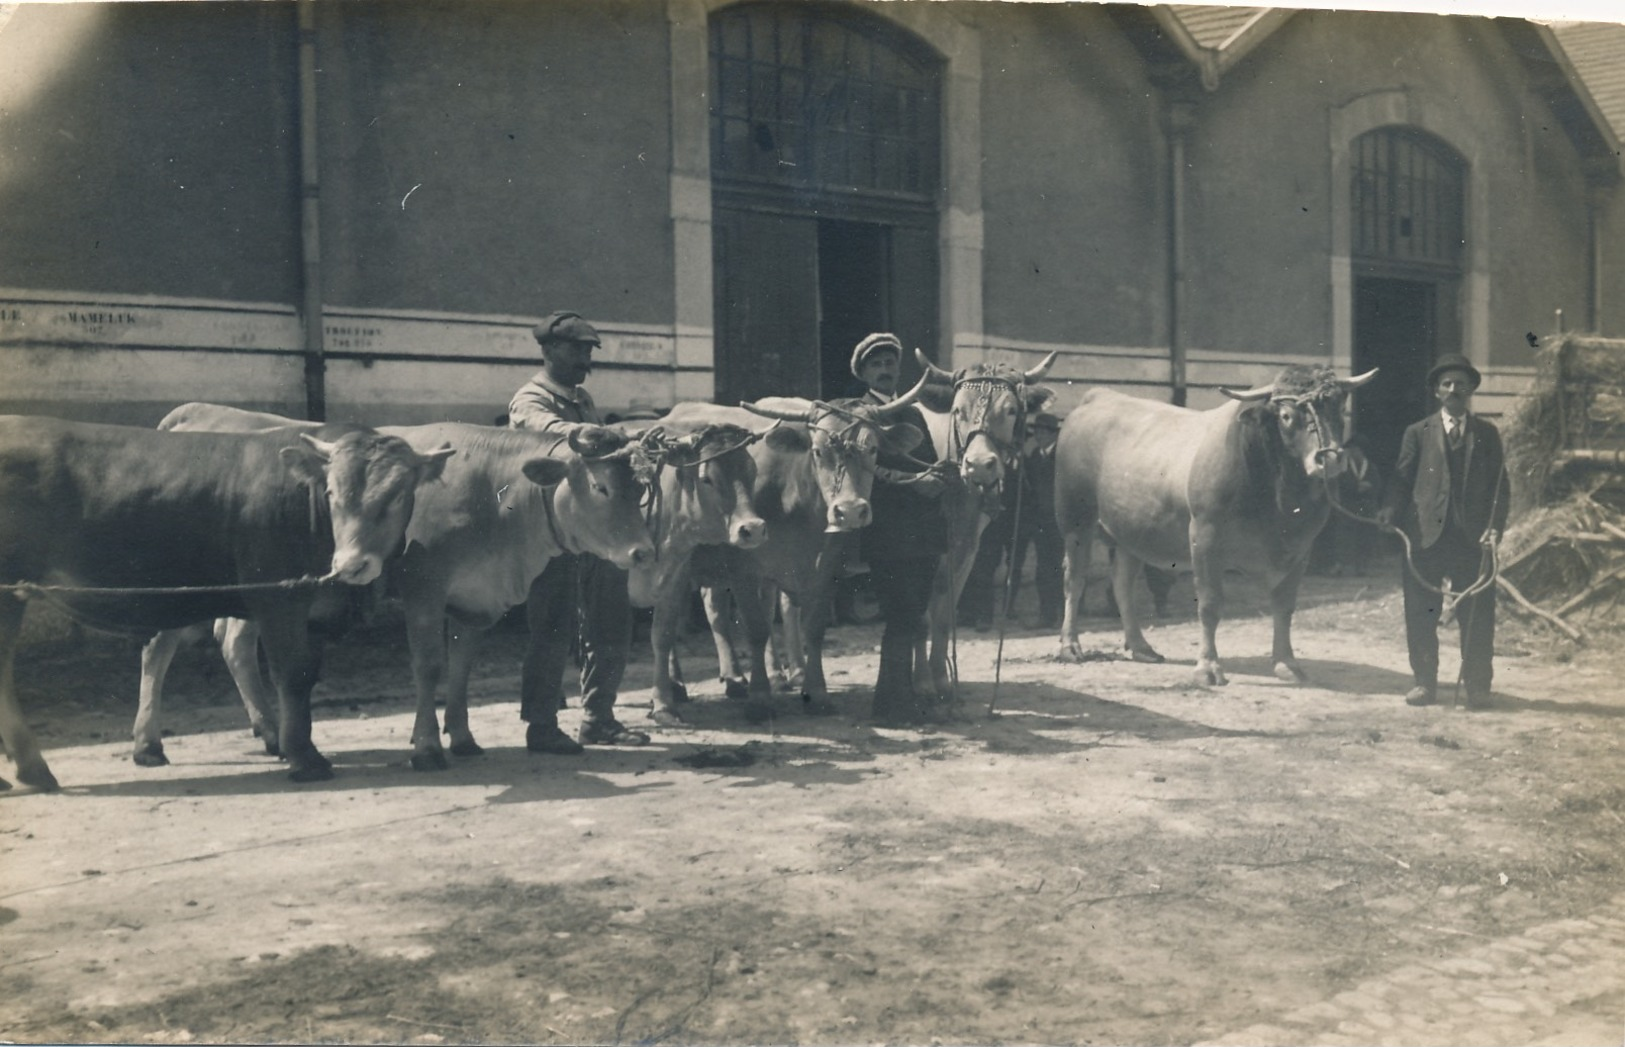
(1563, 558)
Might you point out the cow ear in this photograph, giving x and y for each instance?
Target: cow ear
(788, 441)
(434, 463)
(307, 460)
(902, 437)
(1037, 397)
(546, 472)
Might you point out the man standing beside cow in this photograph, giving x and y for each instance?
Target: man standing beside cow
(904, 543)
(576, 591)
(1450, 494)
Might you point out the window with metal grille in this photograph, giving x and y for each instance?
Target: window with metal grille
(1407, 203)
(811, 96)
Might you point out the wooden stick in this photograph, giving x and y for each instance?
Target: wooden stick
(1523, 601)
(1591, 590)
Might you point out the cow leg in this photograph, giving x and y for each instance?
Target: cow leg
(790, 651)
(19, 740)
(239, 641)
(294, 664)
(814, 622)
(156, 655)
(668, 611)
(720, 607)
(1283, 602)
(758, 603)
(426, 639)
(1078, 545)
(1125, 570)
(1209, 576)
(462, 645)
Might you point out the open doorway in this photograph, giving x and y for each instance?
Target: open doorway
(852, 304)
(1396, 330)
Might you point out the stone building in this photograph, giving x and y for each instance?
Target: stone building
(359, 209)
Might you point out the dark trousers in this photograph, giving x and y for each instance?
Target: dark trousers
(1048, 572)
(577, 595)
(903, 589)
(1459, 558)
(978, 598)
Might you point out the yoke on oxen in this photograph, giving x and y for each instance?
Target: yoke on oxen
(1239, 487)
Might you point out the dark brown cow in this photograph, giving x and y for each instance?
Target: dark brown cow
(116, 507)
(1238, 487)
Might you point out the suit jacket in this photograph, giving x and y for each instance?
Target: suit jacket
(1426, 499)
(905, 523)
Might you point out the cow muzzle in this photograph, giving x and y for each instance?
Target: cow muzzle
(1325, 463)
(982, 469)
(357, 568)
(852, 514)
(748, 533)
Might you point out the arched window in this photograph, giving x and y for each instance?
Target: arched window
(1407, 204)
(810, 96)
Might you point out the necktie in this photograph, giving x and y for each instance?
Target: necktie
(1453, 431)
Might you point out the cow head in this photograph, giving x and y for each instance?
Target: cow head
(1304, 406)
(371, 482)
(599, 501)
(702, 482)
(844, 440)
(988, 419)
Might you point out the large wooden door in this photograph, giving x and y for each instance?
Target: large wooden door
(825, 135)
(766, 305)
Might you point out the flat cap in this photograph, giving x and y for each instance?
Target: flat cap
(1045, 420)
(874, 343)
(565, 326)
(1453, 362)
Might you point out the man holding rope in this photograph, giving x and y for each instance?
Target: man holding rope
(1450, 494)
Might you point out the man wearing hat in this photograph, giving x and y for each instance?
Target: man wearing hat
(576, 590)
(906, 540)
(1450, 494)
(1037, 525)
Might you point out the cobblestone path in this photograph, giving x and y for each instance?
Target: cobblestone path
(1560, 983)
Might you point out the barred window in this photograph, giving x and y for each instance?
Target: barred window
(1407, 203)
(815, 96)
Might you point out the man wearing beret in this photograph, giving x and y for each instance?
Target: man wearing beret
(1450, 493)
(905, 542)
(576, 590)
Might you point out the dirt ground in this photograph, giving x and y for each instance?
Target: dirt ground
(1116, 856)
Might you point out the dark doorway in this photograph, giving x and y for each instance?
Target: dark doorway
(851, 297)
(1396, 331)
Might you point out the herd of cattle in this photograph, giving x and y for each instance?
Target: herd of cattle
(253, 521)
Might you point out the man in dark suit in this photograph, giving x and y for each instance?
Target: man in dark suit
(1450, 494)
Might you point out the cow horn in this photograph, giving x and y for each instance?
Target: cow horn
(931, 369)
(1357, 380)
(887, 410)
(1041, 370)
(783, 416)
(1257, 392)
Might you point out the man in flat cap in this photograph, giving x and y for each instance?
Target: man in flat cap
(1450, 493)
(1037, 526)
(576, 590)
(906, 540)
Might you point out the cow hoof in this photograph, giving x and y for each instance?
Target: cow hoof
(39, 778)
(666, 717)
(1291, 672)
(467, 747)
(4, 785)
(679, 692)
(271, 747)
(1213, 677)
(151, 756)
(429, 761)
(735, 688)
(315, 768)
(1069, 652)
(758, 711)
(1145, 655)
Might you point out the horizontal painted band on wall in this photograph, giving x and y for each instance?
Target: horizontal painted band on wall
(31, 319)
